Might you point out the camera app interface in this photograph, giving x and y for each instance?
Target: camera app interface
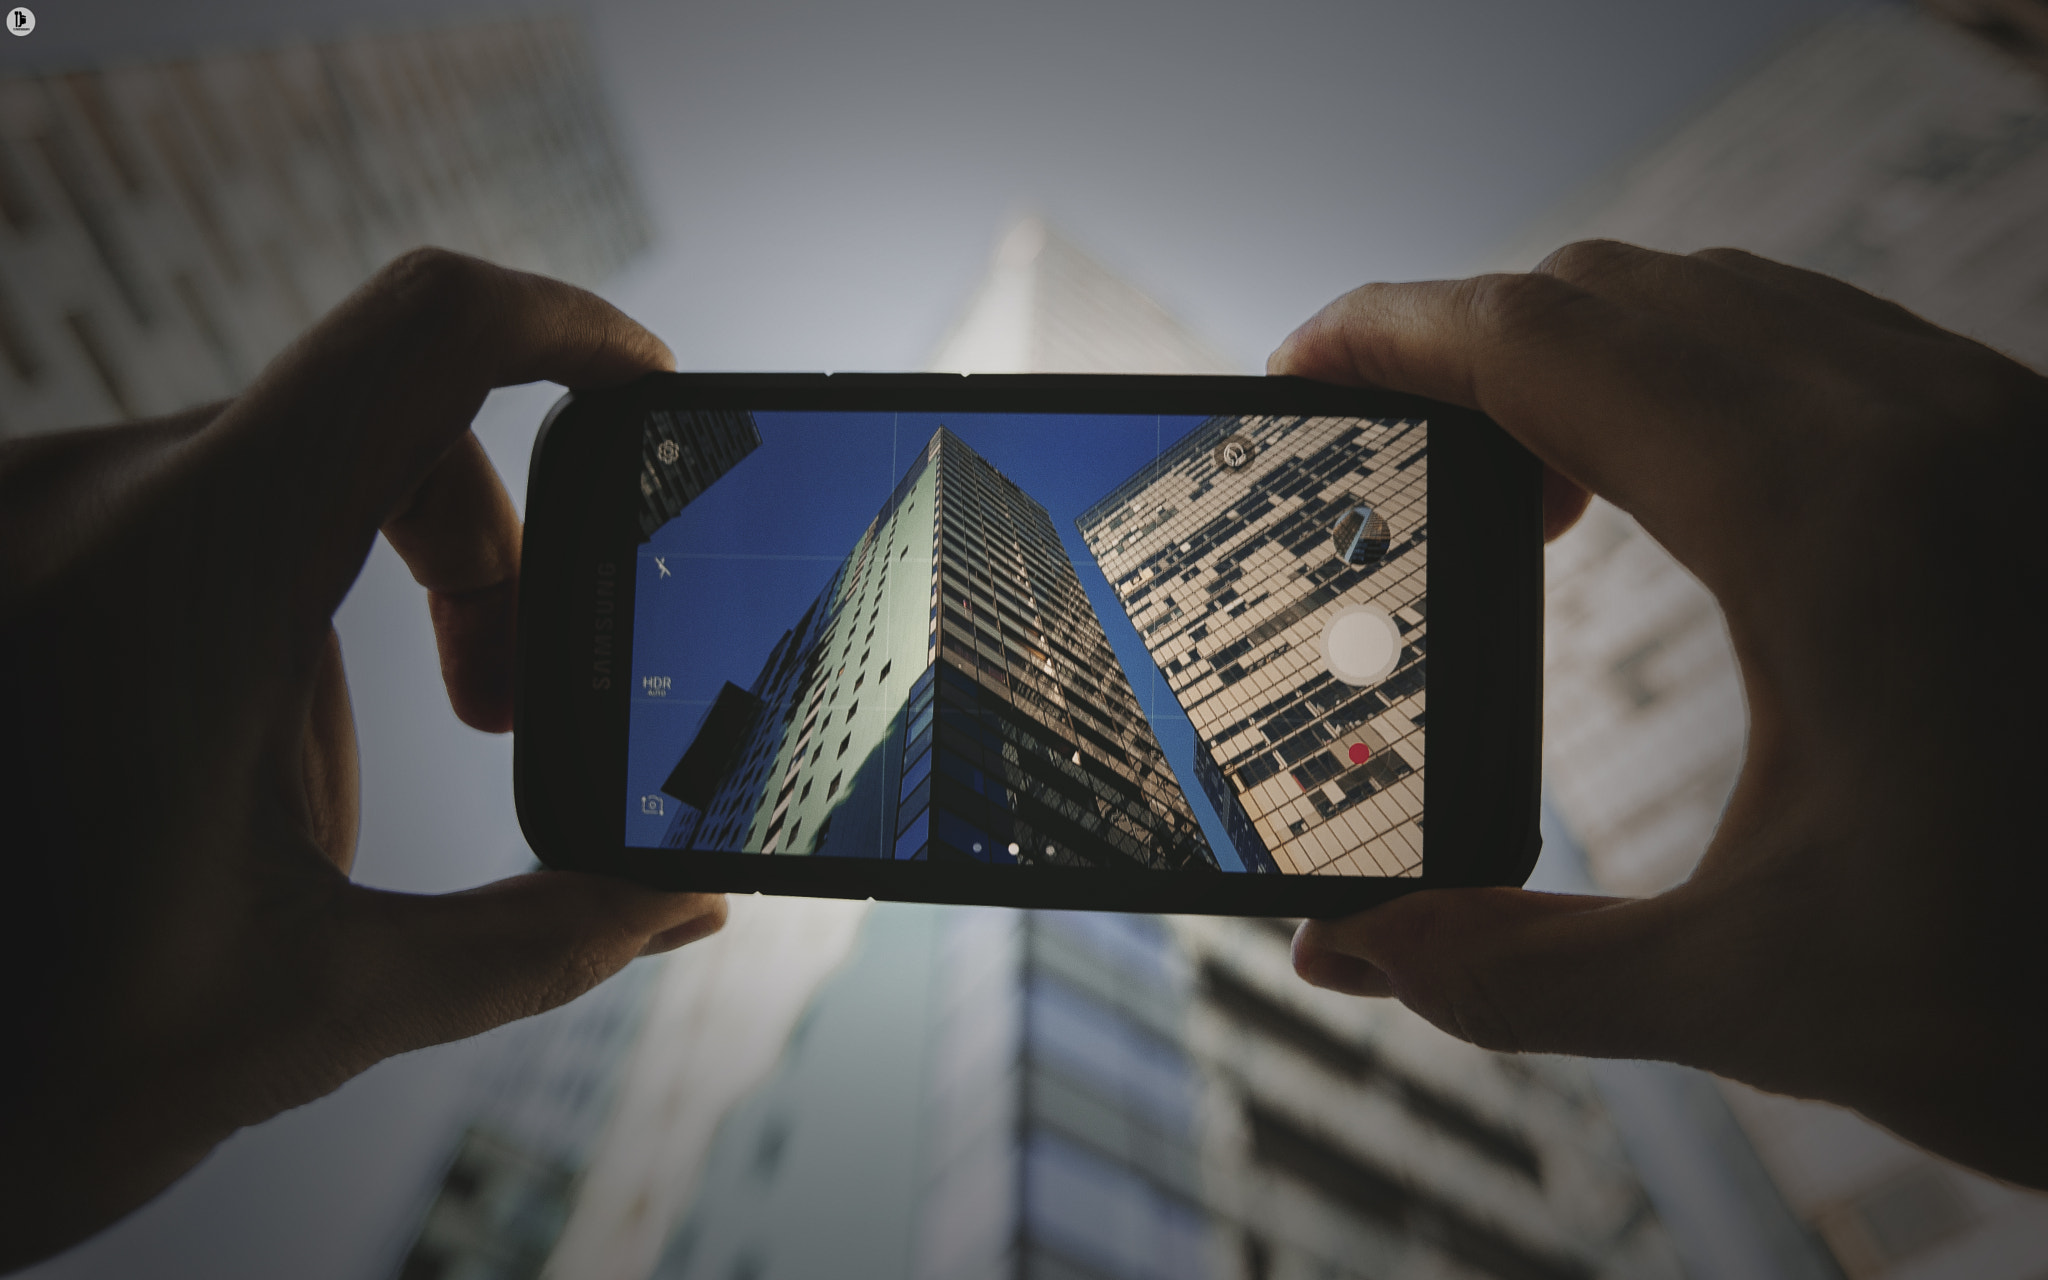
(1178, 644)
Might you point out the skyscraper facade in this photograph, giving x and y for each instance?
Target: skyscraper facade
(166, 227)
(1237, 555)
(993, 1095)
(949, 695)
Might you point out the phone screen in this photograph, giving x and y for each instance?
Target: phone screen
(1169, 643)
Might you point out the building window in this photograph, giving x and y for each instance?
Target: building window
(1361, 1187)
(911, 844)
(1100, 1047)
(915, 773)
(832, 788)
(1106, 1217)
(1136, 944)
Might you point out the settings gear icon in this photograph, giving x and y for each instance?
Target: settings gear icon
(1234, 452)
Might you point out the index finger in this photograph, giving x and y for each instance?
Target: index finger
(340, 430)
(1620, 401)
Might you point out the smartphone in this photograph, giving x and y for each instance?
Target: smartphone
(1254, 646)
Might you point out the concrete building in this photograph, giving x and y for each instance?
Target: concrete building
(1275, 568)
(497, 1207)
(1904, 156)
(167, 227)
(1072, 1096)
(949, 695)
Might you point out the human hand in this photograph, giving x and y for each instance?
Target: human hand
(177, 757)
(1859, 490)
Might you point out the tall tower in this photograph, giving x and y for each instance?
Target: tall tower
(166, 227)
(1086, 1096)
(950, 695)
(1275, 568)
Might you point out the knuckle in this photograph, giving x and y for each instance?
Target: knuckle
(579, 974)
(451, 298)
(433, 277)
(1477, 1012)
(1511, 305)
(429, 264)
(1585, 258)
(1429, 944)
(1726, 256)
(549, 986)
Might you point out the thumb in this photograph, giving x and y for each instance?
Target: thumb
(1513, 970)
(429, 969)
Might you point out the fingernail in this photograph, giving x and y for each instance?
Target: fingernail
(1336, 972)
(682, 935)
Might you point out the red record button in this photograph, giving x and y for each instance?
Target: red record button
(1360, 753)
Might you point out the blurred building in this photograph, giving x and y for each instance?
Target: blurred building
(1274, 569)
(497, 1207)
(951, 690)
(721, 1017)
(1907, 158)
(2016, 28)
(167, 227)
(1046, 306)
(1074, 1096)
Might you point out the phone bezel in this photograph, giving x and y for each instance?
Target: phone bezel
(1485, 518)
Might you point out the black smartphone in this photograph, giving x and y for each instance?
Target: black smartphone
(1184, 644)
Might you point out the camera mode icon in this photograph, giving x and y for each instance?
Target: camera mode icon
(651, 805)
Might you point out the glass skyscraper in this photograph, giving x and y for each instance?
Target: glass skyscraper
(1238, 553)
(950, 694)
